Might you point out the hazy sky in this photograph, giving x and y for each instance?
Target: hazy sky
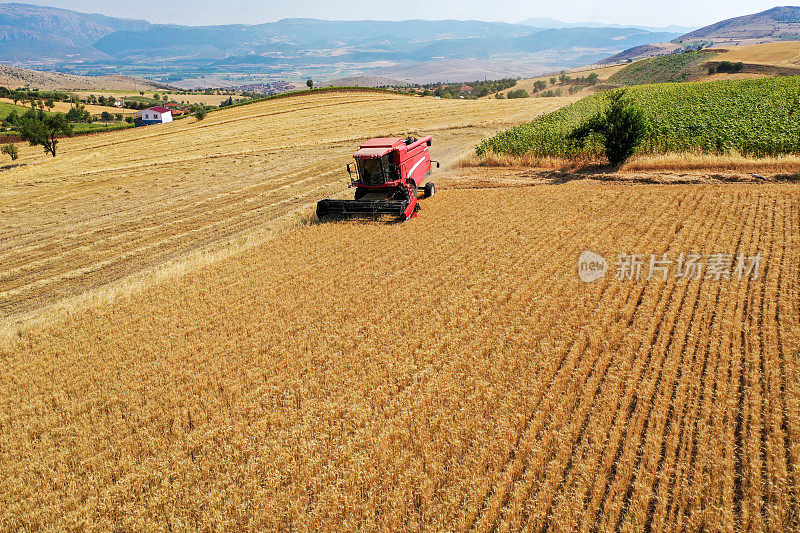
(203, 12)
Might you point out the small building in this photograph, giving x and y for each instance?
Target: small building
(465, 89)
(156, 115)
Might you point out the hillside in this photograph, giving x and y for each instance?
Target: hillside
(753, 61)
(363, 81)
(37, 34)
(780, 54)
(773, 25)
(13, 77)
(603, 73)
(687, 66)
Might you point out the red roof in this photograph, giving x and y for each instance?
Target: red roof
(158, 109)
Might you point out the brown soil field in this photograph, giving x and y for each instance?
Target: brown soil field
(448, 373)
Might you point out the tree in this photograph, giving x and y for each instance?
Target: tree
(621, 129)
(539, 85)
(156, 96)
(518, 93)
(15, 97)
(141, 93)
(78, 113)
(50, 104)
(164, 97)
(592, 78)
(41, 129)
(105, 116)
(553, 81)
(200, 111)
(11, 150)
(118, 116)
(11, 119)
(310, 83)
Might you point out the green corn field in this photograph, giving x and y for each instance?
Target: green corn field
(754, 117)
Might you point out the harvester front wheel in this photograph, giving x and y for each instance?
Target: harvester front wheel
(430, 189)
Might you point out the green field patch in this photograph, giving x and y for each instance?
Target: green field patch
(6, 109)
(756, 117)
(664, 69)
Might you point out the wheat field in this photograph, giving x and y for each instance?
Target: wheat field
(450, 373)
(113, 205)
(783, 54)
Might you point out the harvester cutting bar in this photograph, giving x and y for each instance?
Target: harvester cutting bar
(361, 208)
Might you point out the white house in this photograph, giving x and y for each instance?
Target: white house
(156, 115)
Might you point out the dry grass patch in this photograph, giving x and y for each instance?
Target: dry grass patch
(783, 54)
(658, 162)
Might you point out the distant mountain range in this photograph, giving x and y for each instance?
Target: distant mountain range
(79, 43)
(547, 22)
(413, 50)
(776, 24)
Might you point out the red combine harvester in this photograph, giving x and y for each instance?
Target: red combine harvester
(389, 173)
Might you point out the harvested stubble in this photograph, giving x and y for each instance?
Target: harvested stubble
(447, 373)
(110, 206)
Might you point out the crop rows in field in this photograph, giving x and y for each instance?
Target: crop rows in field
(450, 373)
(758, 117)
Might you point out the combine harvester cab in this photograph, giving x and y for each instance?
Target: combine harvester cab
(389, 172)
